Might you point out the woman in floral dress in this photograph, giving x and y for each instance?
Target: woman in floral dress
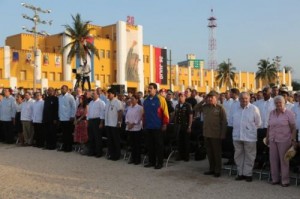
(80, 122)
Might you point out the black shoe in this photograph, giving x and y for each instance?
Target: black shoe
(248, 178)
(239, 178)
(158, 166)
(209, 173)
(148, 165)
(216, 175)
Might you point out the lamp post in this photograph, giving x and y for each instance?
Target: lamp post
(36, 20)
(170, 63)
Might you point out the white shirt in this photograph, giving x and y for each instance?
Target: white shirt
(265, 107)
(174, 103)
(96, 109)
(26, 110)
(111, 112)
(37, 111)
(18, 107)
(296, 111)
(66, 107)
(289, 105)
(234, 105)
(86, 70)
(245, 123)
(134, 116)
(7, 109)
(227, 106)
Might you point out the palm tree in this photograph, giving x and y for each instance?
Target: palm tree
(266, 71)
(79, 33)
(226, 74)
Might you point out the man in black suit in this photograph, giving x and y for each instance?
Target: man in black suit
(50, 118)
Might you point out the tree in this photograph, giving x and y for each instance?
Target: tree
(296, 86)
(226, 74)
(288, 69)
(80, 34)
(266, 71)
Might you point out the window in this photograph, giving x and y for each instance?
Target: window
(147, 59)
(96, 77)
(23, 75)
(102, 79)
(102, 53)
(59, 77)
(244, 85)
(115, 55)
(44, 75)
(108, 54)
(183, 82)
(206, 83)
(51, 76)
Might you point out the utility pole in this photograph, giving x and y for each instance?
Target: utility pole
(36, 20)
(170, 65)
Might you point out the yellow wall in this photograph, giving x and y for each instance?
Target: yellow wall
(105, 67)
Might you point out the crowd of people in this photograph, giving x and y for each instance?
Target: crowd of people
(242, 124)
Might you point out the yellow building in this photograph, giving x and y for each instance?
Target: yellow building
(117, 44)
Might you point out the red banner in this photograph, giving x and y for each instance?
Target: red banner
(161, 65)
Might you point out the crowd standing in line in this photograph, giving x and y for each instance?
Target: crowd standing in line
(232, 122)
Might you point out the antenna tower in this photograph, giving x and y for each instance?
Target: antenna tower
(212, 43)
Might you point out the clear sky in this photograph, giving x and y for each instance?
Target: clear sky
(248, 30)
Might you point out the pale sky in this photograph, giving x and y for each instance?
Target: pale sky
(247, 30)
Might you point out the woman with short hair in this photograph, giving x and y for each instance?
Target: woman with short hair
(281, 135)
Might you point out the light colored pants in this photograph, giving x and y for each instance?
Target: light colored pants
(277, 162)
(244, 157)
(27, 132)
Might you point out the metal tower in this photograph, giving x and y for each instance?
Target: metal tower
(212, 44)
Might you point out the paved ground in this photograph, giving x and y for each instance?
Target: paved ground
(34, 173)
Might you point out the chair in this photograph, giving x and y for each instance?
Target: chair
(171, 141)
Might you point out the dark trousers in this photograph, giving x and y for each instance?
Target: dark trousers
(113, 139)
(88, 81)
(227, 145)
(67, 128)
(214, 153)
(155, 145)
(135, 139)
(261, 149)
(39, 134)
(95, 137)
(51, 131)
(183, 143)
(1, 133)
(7, 132)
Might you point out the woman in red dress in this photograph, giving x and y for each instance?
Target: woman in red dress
(80, 122)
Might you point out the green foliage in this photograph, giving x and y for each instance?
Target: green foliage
(78, 33)
(226, 74)
(296, 86)
(266, 71)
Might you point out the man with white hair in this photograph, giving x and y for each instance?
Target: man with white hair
(245, 119)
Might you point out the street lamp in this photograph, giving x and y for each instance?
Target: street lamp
(36, 20)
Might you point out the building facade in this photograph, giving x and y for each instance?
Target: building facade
(124, 60)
